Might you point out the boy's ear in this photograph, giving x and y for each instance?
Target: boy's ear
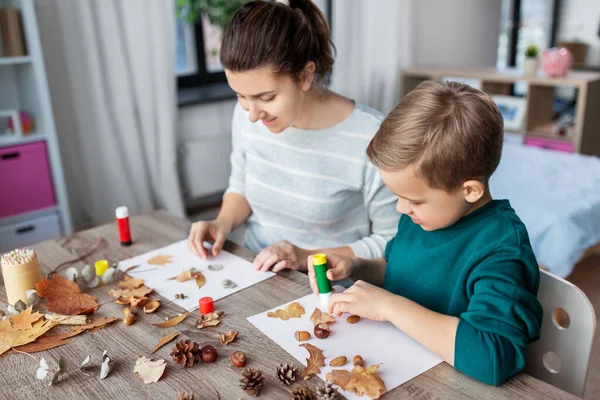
(473, 190)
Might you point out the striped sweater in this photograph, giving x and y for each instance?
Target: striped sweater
(313, 188)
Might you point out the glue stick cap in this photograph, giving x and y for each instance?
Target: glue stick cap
(122, 212)
(206, 305)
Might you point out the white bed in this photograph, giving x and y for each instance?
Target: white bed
(557, 195)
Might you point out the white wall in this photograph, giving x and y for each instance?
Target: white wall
(457, 33)
(580, 20)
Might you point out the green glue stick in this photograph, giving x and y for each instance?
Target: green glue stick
(320, 264)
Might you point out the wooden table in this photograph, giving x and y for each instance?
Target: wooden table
(124, 343)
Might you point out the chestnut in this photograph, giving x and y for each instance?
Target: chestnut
(322, 331)
(208, 353)
(238, 358)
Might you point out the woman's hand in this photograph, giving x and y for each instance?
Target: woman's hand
(207, 231)
(362, 299)
(281, 255)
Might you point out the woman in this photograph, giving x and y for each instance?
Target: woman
(300, 179)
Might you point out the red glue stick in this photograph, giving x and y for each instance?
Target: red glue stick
(123, 224)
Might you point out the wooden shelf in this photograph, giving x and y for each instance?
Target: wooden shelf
(539, 101)
(14, 60)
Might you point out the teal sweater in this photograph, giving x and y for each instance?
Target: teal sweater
(481, 270)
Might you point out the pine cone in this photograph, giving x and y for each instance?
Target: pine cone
(286, 373)
(302, 393)
(327, 392)
(186, 353)
(185, 396)
(253, 381)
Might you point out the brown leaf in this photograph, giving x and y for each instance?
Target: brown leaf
(63, 296)
(360, 380)
(212, 319)
(164, 340)
(48, 342)
(293, 310)
(151, 306)
(228, 337)
(160, 259)
(173, 321)
(314, 362)
(200, 279)
(182, 277)
(25, 319)
(149, 371)
(131, 283)
(319, 317)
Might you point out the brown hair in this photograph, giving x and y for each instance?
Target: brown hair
(450, 132)
(286, 37)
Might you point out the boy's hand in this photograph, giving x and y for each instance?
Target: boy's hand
(206, 231)
(362, 299)
(281, 255)
(339, 267)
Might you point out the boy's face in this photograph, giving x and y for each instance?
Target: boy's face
(432, 209)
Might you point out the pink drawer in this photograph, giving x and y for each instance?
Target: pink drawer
(549, 144)
(25, 179)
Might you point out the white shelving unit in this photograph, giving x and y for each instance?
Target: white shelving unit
(24, 87)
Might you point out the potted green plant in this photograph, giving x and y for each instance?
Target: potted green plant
(530, 64)
(219, 12)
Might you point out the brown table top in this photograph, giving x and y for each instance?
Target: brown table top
(157, 229)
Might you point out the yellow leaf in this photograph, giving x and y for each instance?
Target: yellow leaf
(360, 380)
(160, 259)
(200, 279)
(164, 340)
(24, 320)
(319, 317)
(293, 310)
(173, 321)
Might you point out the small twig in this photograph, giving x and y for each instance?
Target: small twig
(212, 387)
(27, 354)
(68, 319)
(142, 270)
(100, 240)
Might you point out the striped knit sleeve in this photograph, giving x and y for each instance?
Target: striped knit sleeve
(237, 178)
(381, 207)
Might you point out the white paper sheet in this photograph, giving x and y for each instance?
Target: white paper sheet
(400, 356)
(235, 268)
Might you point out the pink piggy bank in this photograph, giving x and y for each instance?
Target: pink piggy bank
(556, 62)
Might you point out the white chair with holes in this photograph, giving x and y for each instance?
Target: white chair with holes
(562, 355)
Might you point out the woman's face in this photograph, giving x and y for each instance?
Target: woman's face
(275, 100)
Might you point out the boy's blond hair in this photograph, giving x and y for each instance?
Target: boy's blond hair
(449, 132)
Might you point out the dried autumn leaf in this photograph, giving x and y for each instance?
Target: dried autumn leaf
(319, 317)
(98, 323)
(138, 301)
(200, 279)
(160, 259)
(10, 337)
(228, 337)
(173, 321)
(293, 310)
(314, 362)
(151, 306)
(25, 319)
(164, 340)
(47, 342)
(141, 291)
(130, 283)
(64, 297)
(360, 380)
(211, 319)
(149, 371)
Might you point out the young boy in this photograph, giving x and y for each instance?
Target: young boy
(460, 276)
